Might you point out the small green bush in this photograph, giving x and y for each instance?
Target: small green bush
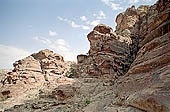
(41, 90)
(87, 101)
(71, 72)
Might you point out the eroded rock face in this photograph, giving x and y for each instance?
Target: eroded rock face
(129, 22)
(27, 64)
(141, 42)
(51, 62)
(43, 64)
(31, 74)
(108, 56)
(111, 53)
(146, 84)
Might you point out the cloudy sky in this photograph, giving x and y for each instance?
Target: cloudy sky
(27, 26)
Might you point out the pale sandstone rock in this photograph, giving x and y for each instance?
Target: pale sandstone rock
(27, 64)
(145, 87)
(107, 56)
(32, 74)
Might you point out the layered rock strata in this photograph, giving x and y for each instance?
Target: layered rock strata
(38, 67)
(111, 53)
(108, 55)
(146, 85)
(136, 55)
(30, 75)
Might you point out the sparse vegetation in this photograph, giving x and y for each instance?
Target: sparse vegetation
(87, 102)
(112, 82)
(41, 90)
(71, 72)
(32, 96)
(130, 60)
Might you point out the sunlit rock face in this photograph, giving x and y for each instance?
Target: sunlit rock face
(127, 70)
(108, 56)
(145, 32)
(146, 84)
(44, 63)
(30, 74)
(111, 53)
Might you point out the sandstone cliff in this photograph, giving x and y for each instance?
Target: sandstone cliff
(146, 84)
(111, 53)
(126, 70)
(145, 49)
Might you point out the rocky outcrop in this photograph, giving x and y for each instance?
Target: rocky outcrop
(124, 71)
(50, 62)
(111, 53)
(30, 75)
(108, 57)
(146, 85)
(41, 66)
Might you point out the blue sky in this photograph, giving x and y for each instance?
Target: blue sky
(27, 26)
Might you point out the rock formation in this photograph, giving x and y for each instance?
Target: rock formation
(111, 53)
(127, 70)
(146, 85)
(108, 55)
(38, 67)
(31, 74)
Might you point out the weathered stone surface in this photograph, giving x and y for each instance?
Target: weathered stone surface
(27, 64)
(146, 84)
(111, 53)
(81, 58)
(63, 92)
(105, 83)
(30, 75)
(42, 66)
(108, 54)
(51, 63)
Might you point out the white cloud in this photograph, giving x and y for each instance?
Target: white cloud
(73, 24)
(52, 33)
(64, 19)
(10, 54)
(133, 1)
(94, 22)
(100, 15)
(58, 45)
(83, 18)
(115, 6)
(60, 18)
(147, 1)
(85, 27)
(61, 42)
(107, 2)
(111, 4)
(42, 40)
